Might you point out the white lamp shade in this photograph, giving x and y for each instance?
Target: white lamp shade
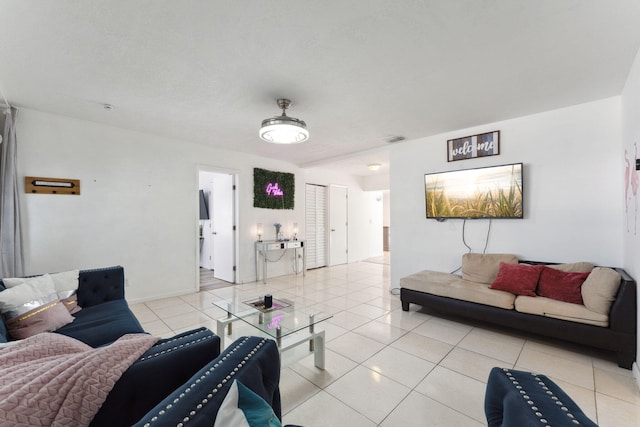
(284, 133)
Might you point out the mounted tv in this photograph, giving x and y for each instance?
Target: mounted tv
(204, 210)
(489, 192)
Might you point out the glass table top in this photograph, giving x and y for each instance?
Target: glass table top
(282, 319)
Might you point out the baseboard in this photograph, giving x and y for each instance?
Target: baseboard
(160, 296)
(636, 373)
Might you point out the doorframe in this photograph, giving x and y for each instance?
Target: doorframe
(235, 174)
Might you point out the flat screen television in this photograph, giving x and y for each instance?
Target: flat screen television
(488, 192)
(204, 209)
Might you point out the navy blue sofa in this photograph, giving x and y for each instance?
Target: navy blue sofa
(254, 361)
(157, 373)
(164, 369)
(525, 399)
(105, 314)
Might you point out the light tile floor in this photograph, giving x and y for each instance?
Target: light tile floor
(387, 367)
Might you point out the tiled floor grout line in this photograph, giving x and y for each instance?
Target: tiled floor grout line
(350, 280)
(412, 389)
(361, 364)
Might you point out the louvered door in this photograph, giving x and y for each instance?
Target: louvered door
(316, 225)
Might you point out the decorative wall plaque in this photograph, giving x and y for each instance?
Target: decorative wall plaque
(38, 185)
(470, 147)
(273, 190)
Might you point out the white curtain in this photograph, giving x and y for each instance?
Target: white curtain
(11, 255)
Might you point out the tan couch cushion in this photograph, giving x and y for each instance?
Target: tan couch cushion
(452, 286)
(560, 310)
(575, 267)
(600, 289)
(418, 280)
(483, 268)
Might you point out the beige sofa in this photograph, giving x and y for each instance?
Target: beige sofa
(606, 318)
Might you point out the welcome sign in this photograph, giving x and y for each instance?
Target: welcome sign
(470, 147)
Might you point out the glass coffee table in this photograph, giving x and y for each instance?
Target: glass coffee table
(289, 325)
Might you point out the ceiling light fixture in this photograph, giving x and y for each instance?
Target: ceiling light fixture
(284, 129)
(374, 167)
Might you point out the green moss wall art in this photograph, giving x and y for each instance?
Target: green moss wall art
(273, 190)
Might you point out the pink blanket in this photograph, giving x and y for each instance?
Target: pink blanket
(53, 380)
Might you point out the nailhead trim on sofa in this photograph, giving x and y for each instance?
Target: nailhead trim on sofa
(150, 356)
(219, 365)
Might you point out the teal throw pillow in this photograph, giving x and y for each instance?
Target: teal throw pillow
(243, 408)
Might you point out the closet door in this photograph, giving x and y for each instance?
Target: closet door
(338, 224)
(316, 225)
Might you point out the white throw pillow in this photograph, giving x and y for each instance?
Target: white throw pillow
(33, 289)
(65, 281)
(33, 307)
(65, 284)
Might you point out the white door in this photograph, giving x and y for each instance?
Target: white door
(315, 225)
(338, 225)
(223, 227)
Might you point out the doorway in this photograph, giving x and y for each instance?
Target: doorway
(217, 242)
(381, 231)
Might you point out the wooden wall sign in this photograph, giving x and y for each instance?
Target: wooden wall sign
(33, 184)
(470, 147)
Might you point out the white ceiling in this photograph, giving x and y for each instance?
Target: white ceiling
(358, 72)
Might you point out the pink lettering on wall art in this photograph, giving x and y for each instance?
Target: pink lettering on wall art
(274, 190)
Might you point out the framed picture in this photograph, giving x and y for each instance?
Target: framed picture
(273, 190)
(471, 147)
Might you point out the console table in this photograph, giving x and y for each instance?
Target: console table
(263, 247)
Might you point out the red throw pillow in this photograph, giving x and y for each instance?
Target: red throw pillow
(561, 286)
(519, 279)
